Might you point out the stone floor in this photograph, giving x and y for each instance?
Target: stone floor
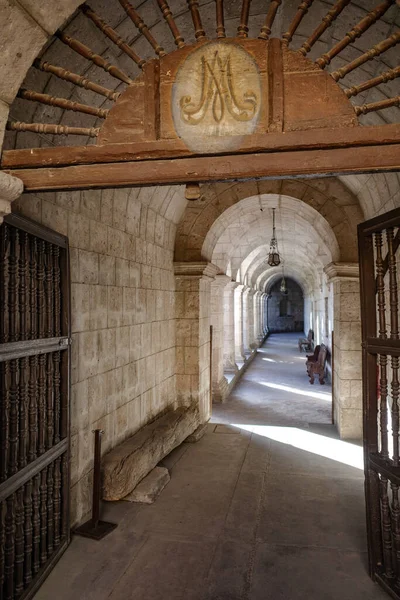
(267, 506)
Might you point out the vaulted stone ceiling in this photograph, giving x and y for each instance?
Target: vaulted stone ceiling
(83, 29)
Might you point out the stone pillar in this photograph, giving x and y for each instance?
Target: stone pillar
(251, 318)
(259, 329)
(229, 327)
(220, 383)
(264, 300)
(347, 367)
(246, 320)
(239, 324)
(11, 188)
(193, 319)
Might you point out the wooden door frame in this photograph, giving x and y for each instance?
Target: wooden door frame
(312, 153)
(374, 345)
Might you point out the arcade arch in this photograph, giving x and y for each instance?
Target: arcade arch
(316, 225)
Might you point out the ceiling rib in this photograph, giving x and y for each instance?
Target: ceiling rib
(112, 35)
(220, 19)
(299, 16)
(53, 129)
(169, 18)
(357, 31)
(98, 60)
(327, 21)
(376, 50)
(142, 27)
(269, 20)
(199, 32)
(76, 79)
(63, 103)
(374, 106)
(371, 83)
(243, 29)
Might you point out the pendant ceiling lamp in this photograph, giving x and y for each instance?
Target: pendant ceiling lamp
(273, 257)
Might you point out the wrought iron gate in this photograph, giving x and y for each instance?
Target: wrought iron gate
(34, 404)
(379, 241)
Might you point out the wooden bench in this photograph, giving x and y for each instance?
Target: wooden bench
(312, 358)
(318, 367)
(306, 343)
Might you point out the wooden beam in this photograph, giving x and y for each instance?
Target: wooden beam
(291, 164)
(312, 139)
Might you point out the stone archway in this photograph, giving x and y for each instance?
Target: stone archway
(316, 230)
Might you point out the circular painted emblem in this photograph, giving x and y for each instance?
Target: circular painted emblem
(216, 95)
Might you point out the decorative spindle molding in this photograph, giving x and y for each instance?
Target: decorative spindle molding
(11, 188)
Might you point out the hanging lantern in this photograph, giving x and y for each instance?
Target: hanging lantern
(273, 257)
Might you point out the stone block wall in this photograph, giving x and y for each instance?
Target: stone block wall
(347, 375)
(294, 320)
(123, 313)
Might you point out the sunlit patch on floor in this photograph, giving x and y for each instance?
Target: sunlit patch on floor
(338, 450)
(309, 394)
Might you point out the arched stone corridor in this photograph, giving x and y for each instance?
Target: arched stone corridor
(316, 232)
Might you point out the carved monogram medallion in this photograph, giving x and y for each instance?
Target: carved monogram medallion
(216, 95)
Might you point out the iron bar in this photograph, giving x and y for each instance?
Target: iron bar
(386, 527)
(94, 528)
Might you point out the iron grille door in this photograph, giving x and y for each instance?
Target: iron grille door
(379, 241)
(34, 404)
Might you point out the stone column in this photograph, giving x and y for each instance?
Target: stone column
(347, 367)
(246, 320)
(239, 324)
(229, 327)
(251, 318)
(220, 383)
(11, 188)
(258, 329)
(264, 300)
(193, 319)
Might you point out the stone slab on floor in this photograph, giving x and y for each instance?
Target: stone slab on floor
(150, 487)
(131, 461)
(198, 434)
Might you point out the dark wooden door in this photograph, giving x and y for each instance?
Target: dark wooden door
(379, 241)
(34, 404)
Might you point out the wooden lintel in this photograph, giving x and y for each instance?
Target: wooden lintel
(314, 139)
(289, 164)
